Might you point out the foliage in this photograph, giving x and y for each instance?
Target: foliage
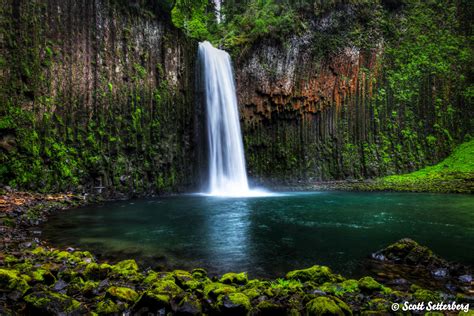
(194, 17)
(260, 19)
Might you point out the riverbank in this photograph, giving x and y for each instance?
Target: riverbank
(37, 278)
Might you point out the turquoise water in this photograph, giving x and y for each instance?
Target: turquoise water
(268, 236)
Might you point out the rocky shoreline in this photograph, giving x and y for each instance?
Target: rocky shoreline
(37, 279)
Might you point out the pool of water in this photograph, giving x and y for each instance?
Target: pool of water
(268, 236)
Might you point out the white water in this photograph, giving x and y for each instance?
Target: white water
(227, 173)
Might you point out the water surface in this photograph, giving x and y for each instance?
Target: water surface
(268, 236)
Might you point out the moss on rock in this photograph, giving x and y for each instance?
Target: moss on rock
(214, 290)
(368, 284)
(13, 280)
(234, 278)
(52, 303)
(130, 265)
(322, 306)
(97, 271)
(316, 274)
(107, 307)
(233, 304)
(123, 293)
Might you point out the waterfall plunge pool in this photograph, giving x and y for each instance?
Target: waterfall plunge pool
(268, 236)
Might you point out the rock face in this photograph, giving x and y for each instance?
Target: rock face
(307, 115)
(108, 89)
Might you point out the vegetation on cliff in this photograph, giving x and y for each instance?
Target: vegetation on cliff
(91, 103)
(453, 174)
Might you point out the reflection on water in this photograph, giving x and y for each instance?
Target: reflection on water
(269, 236)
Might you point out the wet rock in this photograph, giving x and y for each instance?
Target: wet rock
(466, 278)
(440, 273)
(60, 285)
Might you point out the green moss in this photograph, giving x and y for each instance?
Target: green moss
(368, 284)
(107, 306)
(339, 289)
(123, 293)
(43, 275)
(235, 303)
(316, 274)
(325, 306)
(13, 280)
(39, 251)
(127, 265)
(10, 260)
(213, 290)
(199, 274)
(234, 278)
(166, 287)
(53, 303)
(97, 271)
(379, 304)
(424, 295)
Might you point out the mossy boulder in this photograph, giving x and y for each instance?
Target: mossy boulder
(424, 295)
(186, 280)
(187, 305)
(214, 290)
(199, 274)
(233, 304)
(128, 270)
(167, 287)
(152, 301)
(380, 305)
(50, 303)
(97, 271)
(368, 284)
(234, 278)
(409, 252)
(42, 276)
(153, 277)
(107, 307)
(124, 294)
(316, 274)
(325, 306)
(130, 265)
(13, 280)
(266, 307)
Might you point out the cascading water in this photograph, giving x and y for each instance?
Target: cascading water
(227, 174)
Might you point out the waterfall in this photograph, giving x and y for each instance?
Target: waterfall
(227, 175)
